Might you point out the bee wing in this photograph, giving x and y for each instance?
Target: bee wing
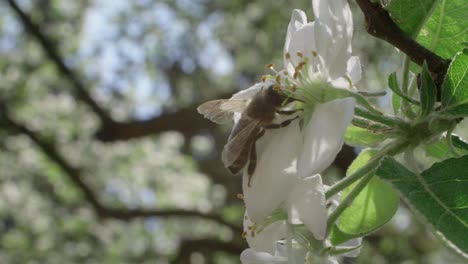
(234, 148)
(221, 111)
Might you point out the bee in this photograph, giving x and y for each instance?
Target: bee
(257, 115)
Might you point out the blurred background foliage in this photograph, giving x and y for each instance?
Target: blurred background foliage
(103, 158)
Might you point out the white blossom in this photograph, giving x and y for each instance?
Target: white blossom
(317, 57)
(286, 156)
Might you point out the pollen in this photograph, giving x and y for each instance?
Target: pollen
(293, 88)
(299, 54)
(270, 66)
(277, 88)
(252, 233)
(244, 234)
(314, 53)
(287, 55)
(240, 196)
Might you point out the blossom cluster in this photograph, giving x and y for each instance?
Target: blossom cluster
(286, 209)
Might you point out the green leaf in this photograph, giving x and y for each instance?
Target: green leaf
(393, 85)
(372, 208)
(411, 15)
(338, 237)
(440, 149)
(396, 103)
(439, 194)
(428, 94)
(333, 93)
(439, 25)
(455, 87)
(360, 137)
(445, 32)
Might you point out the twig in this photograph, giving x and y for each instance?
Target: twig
(379, 24)
(74, 174)
(50, 49)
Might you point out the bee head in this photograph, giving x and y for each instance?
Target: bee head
(273, 95)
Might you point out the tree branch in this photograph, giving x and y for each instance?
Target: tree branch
(187, 121)
(379, 24)
(74, 174)
(50, 49)
(209, 246)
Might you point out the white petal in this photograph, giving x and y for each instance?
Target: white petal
(334, 13)
(250, 256)
(303, 40)
(342, 83)
(332, 260)
(274, 173)
(353, 67)
(335, 18)
(298, 19)
(307, 201)
(265, 240)
(323, 135)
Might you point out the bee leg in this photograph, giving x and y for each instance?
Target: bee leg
(253, 157)
(288, 112)
(282, 124)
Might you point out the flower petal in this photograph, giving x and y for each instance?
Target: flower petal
(303, 41)
(336, 14)
(250, 256)
(264, 240)
(274, 173)
(336, 18)
(353, 67)
(323, 135)
(298, 19)
(307, 204)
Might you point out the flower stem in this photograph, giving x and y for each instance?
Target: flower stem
(366, 173)
(405, 107)
(289, 246)
(349, 199)
(390, 149)
(385, 120)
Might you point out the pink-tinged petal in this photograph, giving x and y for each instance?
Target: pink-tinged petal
(354, 69)
(275, 171)
(323, 135)
(250, 256)
(298, 19)
(303, 41)
(263, 240)
(307, 204)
